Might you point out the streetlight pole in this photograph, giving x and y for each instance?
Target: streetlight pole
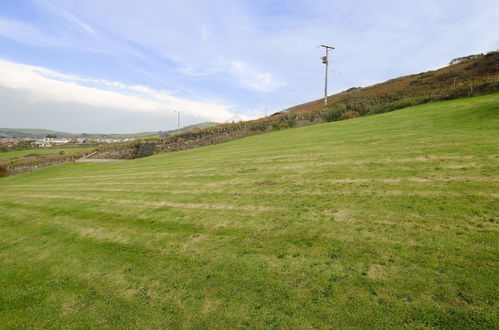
(325, 60)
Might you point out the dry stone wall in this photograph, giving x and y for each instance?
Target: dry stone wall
(28, 165)
(117, 151)
(228, 133)
(145, 148)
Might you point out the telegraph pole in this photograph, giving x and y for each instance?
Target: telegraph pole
(325, 60)
(178, 117)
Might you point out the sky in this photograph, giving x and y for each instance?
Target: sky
(123, 66)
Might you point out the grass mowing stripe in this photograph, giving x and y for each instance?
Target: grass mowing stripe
(420, 190)
(161, 203)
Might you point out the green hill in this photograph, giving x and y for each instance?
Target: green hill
(40, 133)
(386, 221)
(29, 133)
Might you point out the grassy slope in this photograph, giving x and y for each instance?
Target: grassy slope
(412, 89)
(385, 221)
(28, 132)
(38, 151)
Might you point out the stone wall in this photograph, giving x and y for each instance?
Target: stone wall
(131, 150)
(28, 165)
(146, 148)
(117, 151)
(228, 133)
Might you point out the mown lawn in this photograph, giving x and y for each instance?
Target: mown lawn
(39, 152)
(388, 221)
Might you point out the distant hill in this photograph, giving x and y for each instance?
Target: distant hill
(188, 128)
(29, 133)
(36, 133)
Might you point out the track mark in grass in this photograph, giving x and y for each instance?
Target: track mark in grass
(165, 203)
(267, 183)
(253, 191)
(341, 215)
(402, 180)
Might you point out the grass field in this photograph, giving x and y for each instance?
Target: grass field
(39, 152)
(387, 221)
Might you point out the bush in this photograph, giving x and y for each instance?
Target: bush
(258, 127)
(334, 113)
(278, 126)
(3, 170)
(158, 139)
(349, 114)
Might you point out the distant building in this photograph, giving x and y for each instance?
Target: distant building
(41, 143)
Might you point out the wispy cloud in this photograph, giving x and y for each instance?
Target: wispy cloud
(67, 15)
(253, 79)
(27, 33)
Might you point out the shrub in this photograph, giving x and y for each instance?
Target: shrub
(277, 126)
(158, 139)
(334, 113)
(4, 171)
(258, 127)
(349, 114)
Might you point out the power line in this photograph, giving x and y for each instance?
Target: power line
(419, 31)
(344, 81)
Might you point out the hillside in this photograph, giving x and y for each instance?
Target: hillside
(199, 126)
(473, 75)
(467, 76)
(386, 221)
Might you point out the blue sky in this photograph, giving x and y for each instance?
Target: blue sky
(126, 66)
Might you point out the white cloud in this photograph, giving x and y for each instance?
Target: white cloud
(253, 79)
(47, 86)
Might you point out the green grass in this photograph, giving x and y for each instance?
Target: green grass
(38, 152)
(387, 221)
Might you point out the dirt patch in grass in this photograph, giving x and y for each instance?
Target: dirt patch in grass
(376, 272)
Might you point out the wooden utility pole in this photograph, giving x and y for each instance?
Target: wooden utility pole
(178, 118)
(325, 60)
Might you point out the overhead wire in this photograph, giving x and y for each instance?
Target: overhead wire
(416, 32)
